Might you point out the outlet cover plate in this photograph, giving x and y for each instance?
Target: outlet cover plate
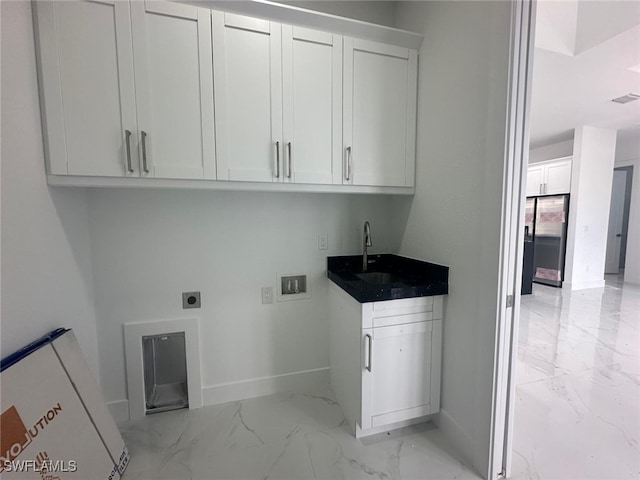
(323, 241)
(190, 300)
(267, 295)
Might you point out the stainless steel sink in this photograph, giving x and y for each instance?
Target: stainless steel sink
(377, 277)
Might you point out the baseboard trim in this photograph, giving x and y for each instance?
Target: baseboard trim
(630, 279)
(119, 410)
(460, 440)
(583, 285)
(259, 387)
(359, 433)
(302, 381)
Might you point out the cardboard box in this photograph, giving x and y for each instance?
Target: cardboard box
(54, 422)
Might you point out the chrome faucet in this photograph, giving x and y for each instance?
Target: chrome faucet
(366, 242)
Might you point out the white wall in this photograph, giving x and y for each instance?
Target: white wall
(149, 246)
(628, 144)
(551, 152)
(456, 214)
(591, 177)
(46, 263)
(628, 153)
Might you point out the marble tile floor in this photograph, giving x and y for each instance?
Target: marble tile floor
(577, 413)
(578, 384)
(286, 436)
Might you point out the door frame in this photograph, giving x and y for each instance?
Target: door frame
(612, 262)
(626, 211)
(512, 236)
(628, 169)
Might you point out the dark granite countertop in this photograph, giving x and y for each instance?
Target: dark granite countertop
(388, 277)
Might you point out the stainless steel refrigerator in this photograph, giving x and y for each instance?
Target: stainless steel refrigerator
(546, 220)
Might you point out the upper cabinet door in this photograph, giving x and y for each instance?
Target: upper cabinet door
(312, 101)
(558, 177)
(380, 88)
(535, 180)
(87, 87)
(248, 96)
(174, 88)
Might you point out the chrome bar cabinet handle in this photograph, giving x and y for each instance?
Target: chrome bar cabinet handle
(145, 168)
(370, 340)
(277, 160)
(127, 137)
(348, 174)
(289, 151)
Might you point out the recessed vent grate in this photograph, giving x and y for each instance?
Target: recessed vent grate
(627, 98)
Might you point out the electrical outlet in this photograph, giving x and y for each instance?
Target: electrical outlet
(190, 299)
(323, 241)
(267, 295)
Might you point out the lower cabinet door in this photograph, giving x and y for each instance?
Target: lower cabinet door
(397, 373)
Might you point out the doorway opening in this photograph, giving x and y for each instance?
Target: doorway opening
(558, 332)
(619, 220)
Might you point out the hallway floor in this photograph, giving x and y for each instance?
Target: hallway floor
(578, 384)
(577, 413)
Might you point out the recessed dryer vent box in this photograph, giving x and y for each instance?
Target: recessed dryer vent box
(292, 287)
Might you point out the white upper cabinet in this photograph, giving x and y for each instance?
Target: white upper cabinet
(312, 105)
(174, 89)
(558, 177)
(278, 101)
(87, 87)
(549, 178)
(248, 96)
(535, 180)
(380, 87)
(161, 90)
(127, 88)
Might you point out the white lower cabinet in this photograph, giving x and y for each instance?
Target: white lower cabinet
(385, 359)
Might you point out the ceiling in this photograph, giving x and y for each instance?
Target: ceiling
(584, 50)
